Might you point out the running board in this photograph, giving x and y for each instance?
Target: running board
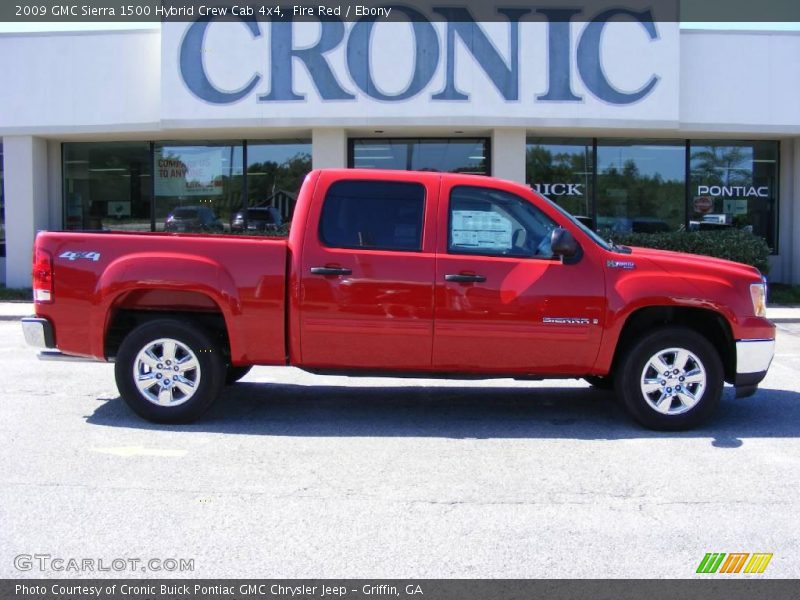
(55, 355)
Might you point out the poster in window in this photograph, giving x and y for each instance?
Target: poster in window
(481, 230)
(189, 172)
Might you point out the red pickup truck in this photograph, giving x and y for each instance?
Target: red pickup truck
(404, 273)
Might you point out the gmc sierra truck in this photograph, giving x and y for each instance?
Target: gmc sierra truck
(404, 274)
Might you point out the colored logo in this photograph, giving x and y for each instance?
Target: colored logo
(735, 562)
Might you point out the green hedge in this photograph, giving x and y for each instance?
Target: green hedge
(730, 244)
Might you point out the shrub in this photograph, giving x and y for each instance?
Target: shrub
(731, 244)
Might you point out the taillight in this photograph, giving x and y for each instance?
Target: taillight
(42, 276)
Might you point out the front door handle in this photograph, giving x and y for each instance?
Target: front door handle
(462, 278)
(330, 271)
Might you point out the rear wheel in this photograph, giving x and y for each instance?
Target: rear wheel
(234, 374)
(671, 379)
(168, 371)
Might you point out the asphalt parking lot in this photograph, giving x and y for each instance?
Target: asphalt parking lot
(293, 475)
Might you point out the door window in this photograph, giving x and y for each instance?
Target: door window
(376, 215)
(491, 222)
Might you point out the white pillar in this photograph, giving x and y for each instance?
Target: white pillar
(25, 182)
(508, 154)
(328, 148)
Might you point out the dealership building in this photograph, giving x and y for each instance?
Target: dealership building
(634, 124)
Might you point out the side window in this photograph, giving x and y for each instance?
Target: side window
(380, 215)
(491, 222)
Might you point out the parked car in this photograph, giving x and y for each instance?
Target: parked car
(404, 273)
(259, 219)
(193, 219)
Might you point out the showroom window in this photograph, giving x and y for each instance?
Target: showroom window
(2, 208)
(641, 185)
(198, 187)
(562, 170)
(734, 184)
(107, 186)
(275, 172)
(180, 186)
(445, 155)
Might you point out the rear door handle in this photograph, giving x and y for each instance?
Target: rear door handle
(330, 271)
(462, 278)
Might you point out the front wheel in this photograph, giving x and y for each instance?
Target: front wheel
(671, 379)
(169, 371)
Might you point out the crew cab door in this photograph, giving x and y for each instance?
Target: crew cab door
(367, 272)
(504, 303)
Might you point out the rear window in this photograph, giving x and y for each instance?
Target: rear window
(380, 215)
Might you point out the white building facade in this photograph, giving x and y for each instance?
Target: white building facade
(635, 125)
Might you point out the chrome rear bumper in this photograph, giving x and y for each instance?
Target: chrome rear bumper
(38, 332)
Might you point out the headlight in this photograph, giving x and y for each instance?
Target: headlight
(758, 294)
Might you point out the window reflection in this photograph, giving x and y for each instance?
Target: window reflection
(562, 170)
(734, 184)
(446, 155)
(198, 187)
(107, 186)
(275, 172)
(641, 185)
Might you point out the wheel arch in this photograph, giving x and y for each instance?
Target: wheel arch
(710, 324)
(137, 306)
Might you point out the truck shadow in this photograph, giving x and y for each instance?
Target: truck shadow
(458, 412)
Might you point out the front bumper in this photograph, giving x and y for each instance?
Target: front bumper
(753, 358)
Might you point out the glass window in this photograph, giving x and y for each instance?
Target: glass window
(371, 214)
(495, 223)
(561, 170)
(2, 208)
(198, 187)
(275, 172)
(734, 184)
(446, 155)
(107, 185)
(641, 185)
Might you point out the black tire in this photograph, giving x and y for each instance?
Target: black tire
(600, 383)
(631, 375)
(234, 374)
(192, 344)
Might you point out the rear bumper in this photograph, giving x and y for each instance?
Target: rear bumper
(753, 358)
(38, 332)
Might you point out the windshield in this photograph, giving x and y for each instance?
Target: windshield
(596, 238)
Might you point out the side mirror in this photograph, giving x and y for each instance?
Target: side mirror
(562, 243)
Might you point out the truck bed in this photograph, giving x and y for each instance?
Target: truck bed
(99, 276)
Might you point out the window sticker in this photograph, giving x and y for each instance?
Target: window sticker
(484, 230)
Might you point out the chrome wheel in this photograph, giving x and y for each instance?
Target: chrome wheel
(166, 372)
(673, 381)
